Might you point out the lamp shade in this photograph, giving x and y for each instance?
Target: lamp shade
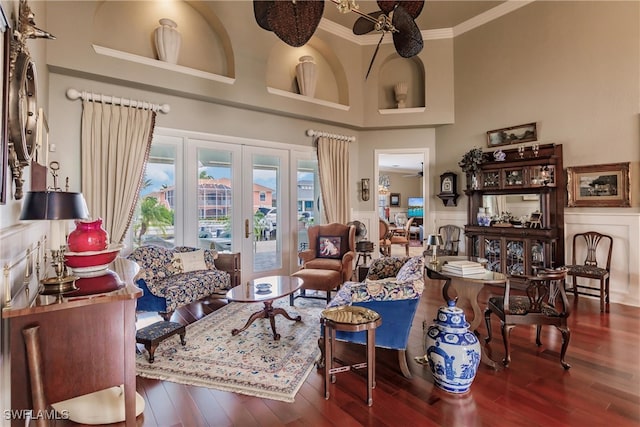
(434, 240)
(53, 205)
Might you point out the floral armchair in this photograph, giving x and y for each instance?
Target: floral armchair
(171, 278)
(392, 288)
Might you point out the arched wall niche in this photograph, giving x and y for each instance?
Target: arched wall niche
(128, 26)
(395, 69)
(332, 80)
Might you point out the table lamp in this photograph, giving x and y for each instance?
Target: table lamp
(434, 240)
(55, 206)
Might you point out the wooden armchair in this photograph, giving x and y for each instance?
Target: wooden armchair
(384, 234)
(590, 268)
(401, 236)
(545, 303)
(451, 237)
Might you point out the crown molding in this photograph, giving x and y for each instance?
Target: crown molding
(436, 34)
(488, 16)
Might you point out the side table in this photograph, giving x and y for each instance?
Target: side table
(230, 262)
(350, 319)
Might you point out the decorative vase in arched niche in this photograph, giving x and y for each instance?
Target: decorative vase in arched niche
(453, 351)
(400, 90)
(168, 41)
(307, 75)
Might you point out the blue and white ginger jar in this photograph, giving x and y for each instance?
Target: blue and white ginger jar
(452, 350)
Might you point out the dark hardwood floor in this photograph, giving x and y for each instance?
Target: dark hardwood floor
(601, 389)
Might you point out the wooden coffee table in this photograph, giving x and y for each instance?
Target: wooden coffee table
(265, 290)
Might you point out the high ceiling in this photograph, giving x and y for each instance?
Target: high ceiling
(435, 14)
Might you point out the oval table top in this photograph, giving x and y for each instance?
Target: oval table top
(265, 289)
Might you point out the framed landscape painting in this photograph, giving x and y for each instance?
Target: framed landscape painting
(512, 135)
(599, 185)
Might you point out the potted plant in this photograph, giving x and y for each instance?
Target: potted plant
(470, 165)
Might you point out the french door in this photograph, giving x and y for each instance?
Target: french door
(239, 201)
(229, 196)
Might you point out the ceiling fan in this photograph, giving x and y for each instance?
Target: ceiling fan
(397, 18)
(294, 22)
(416, 175)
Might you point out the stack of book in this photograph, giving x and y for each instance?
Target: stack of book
(463, 268)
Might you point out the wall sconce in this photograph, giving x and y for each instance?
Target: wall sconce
(364, 186)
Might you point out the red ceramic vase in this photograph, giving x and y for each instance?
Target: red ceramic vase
(88, 236)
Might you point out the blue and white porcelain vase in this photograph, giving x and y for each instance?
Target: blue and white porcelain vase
(452, 350)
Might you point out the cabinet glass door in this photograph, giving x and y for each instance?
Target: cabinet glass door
(537, 255)
(492, 252)
(514, 257)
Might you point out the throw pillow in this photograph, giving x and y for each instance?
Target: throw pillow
(411, 270)
(190, 261)
(329, 247)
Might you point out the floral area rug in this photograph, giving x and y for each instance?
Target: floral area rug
(250, 363)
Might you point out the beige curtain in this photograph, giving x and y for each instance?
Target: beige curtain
(115, 147)
(333, 165)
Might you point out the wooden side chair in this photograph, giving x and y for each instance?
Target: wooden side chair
(597, 247)
(544, 303)
(451, 236)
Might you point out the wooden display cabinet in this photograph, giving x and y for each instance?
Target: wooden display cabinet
(230, 262)
(532, 186)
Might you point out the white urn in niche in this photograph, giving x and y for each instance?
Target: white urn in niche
(400, 90)
(168, 41)
(307, 75)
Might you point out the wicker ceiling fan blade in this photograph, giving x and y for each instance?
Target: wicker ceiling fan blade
(260, 11)
(414, 7)
(364, 25)
(386, 6)
(408, 39)
(295, 23)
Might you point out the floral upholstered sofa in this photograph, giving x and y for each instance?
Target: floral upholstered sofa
(392, 288)
(171, 278)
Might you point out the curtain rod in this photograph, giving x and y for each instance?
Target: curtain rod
(312, 133)
(74, 94)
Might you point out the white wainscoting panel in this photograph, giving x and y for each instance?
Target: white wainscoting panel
(624, 285)
(370, 220)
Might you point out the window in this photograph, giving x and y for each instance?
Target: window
(153, 220)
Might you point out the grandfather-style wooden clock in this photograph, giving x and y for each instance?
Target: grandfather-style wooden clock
(449, 189)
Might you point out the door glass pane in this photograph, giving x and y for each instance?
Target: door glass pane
(307, 194)
(267, 217)
(153, 220)
(214, 199)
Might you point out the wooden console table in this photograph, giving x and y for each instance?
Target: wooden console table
(86, 344)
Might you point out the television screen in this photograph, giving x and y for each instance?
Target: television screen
(415, 207)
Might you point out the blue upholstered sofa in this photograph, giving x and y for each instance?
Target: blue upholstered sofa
(171, 278)
(392, 288)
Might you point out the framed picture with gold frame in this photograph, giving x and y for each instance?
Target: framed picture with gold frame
(605, 185)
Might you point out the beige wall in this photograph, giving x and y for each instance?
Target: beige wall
(573, 67)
